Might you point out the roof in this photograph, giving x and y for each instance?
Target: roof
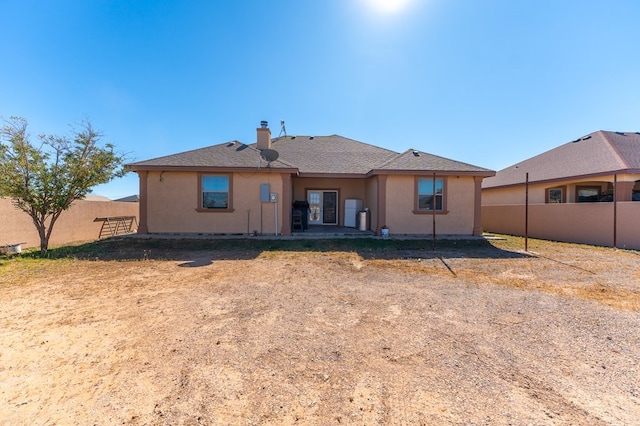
(330, 154)
(232, 154)
(412, 159)
(312, 155)
(598, 153)
(129, 199)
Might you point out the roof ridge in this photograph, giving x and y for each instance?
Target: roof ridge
(615, 151)
(365, 143)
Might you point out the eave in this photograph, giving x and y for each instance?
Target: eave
(140, 168)
(333, 175)
(487, 173)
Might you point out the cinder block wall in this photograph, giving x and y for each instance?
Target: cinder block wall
(74, 225)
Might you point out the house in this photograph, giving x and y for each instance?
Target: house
(235, 188)
(584, 191)
(129, 199)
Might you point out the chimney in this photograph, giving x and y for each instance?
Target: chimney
(264, 136)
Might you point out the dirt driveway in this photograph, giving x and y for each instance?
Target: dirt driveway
(485, 336)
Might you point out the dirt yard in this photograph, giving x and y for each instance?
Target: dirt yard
(485, 336)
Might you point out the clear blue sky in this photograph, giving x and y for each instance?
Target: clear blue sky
(488, 82)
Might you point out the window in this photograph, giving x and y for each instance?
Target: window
(215, 192)
(587, 194)
(426, 196)
(555, 195)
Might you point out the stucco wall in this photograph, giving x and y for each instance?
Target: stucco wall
(460, 194)
(173, 200)
(628, 232)
(74, 225)
(587, 223)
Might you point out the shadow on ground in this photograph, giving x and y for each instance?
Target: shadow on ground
(201, 252)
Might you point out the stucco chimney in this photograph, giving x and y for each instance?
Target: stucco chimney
(264, 136)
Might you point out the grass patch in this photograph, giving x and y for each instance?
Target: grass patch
(157, 248)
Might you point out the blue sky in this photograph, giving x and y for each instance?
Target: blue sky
(488, 82)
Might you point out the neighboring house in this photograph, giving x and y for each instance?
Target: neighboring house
(95, 197)
(231, 188)
(582, 191)
(129, 199)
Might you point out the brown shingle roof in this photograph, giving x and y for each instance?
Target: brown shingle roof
(311, 155)
(597, 153)
(330, 154)
(226, 155)
(421, 161)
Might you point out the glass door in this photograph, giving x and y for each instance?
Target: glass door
(315, 207)
(323, 207)
(330, 207)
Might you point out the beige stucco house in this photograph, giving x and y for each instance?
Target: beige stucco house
(585, 191)
(235, 188)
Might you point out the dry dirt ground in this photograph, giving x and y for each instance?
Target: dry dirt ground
(474, 337)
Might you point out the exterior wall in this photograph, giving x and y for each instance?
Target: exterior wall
(172, 201)
(400, 199)
(587, 223)
(347, 188)
(74, 225)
